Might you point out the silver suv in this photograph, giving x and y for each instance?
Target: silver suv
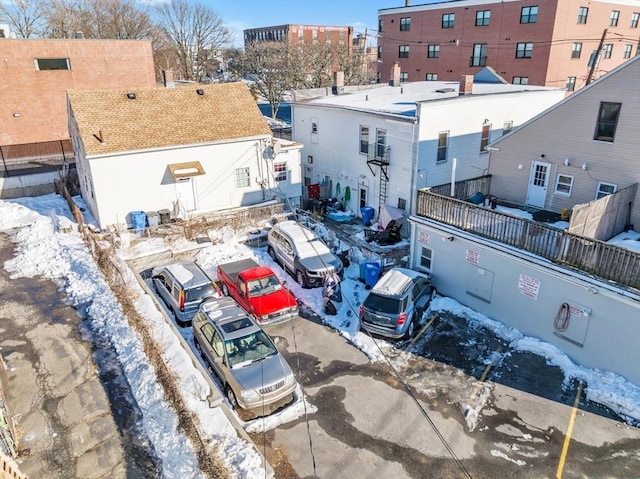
(396, 303)
(183, 286)
(254, 374)
(302, 253)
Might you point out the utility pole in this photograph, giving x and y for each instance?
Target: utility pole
(595, 57)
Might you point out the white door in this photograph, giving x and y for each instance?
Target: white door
(184, 193)
(538, 183)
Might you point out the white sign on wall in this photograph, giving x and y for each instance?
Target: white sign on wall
(473, 257)
(423, 237)
(529, 286)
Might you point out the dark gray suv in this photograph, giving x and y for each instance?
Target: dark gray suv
(396, 303)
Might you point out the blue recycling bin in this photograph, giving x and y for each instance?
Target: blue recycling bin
(138, 220)
(370, 273)
(367, 215)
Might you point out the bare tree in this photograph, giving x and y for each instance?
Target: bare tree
(196, 33)
(268, 65)
(25, 16)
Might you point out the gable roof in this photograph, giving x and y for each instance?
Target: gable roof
(110, 122)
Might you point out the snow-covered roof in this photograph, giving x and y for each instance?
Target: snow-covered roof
(401, 100)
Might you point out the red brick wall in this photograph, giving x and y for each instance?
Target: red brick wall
(39, 97)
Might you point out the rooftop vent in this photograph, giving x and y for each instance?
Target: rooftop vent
(445, 90)
(131, 96)
(79, 35)
(200, 91)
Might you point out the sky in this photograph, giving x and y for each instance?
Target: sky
(240, 15)
(62, 257)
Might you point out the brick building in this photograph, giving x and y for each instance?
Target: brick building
(36, 74)
(546, 42)
(300, 33)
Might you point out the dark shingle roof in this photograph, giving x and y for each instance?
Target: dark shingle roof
(165, 117)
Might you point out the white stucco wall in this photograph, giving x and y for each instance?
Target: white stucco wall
(525, 292)
(141, 181)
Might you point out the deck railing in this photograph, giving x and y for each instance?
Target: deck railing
(594, 257)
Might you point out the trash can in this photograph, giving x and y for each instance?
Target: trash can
(153, 219)
(138, 220)
(367, 215)
(165, 216)
(371, 274)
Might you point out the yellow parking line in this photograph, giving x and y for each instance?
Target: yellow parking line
(567, 438)
(421, 332)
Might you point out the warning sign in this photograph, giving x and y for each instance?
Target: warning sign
(529, 286)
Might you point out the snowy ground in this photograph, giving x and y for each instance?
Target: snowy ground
(41, 251)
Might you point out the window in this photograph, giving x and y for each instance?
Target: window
(379, 52)
(364, 139)
(529, 14)
(405, 24)
(404, 77)
(615, 16)
(571, 83)
(314, 127)
(576, 50)
(634, 19)
(564, 184)
(433, 51)
(328, 36)
(520, 80)
(314, 35)
(482, 18)
(52, 64)
(381, 143)
(443, 143)
(583, 12)
(628, 48)
(606, 50)
(280, 171)
(243, 177)
(425, 258)
(380, 25)
(524, 50)
(605, 189)
(403, 51)
(485, 137)
(479, 58)
(607, 121)
(432, 77)
(300, 34)
(402, 203)
(448, 20)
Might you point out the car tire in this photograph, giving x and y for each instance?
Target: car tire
(301, 279)
(434, 293)
(231, 397)
(410, 330)
(272, 253)
(225, 289)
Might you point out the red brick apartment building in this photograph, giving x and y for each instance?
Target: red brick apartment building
(300, 33)
(537, 42)
(36, 74)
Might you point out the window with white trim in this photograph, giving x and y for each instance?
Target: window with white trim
(605, 189)
(426, 256)
(635, 17)
(571, 84)
(615, 16)
(443, 144)
(628, 48)
(576, 50)
(243, 177)
(280, 171)
(583, 13)
(607, 49)
(364, 139)
(564, 185)
(483, 17)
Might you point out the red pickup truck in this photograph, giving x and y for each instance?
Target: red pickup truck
(257, 289)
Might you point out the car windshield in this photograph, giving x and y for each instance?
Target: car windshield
(266, 285)
(312, 247)
(249, 349)
(198, 293)
(380, 304)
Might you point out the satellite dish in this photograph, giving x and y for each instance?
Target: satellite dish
(276, 149)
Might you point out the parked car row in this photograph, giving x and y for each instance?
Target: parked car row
(226, 316)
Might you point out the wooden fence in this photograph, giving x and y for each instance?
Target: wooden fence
(591, 256)
(39, 157)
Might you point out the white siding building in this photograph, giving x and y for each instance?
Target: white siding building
(383, 143)
(188, 149)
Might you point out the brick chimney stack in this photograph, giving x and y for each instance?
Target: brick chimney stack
(395, 75)
(466, 85)
(338, 83)
(167, 79)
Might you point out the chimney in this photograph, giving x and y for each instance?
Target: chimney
(466, 85)
(407, 3)
(395, 75)
(338, 83)
(167, 79)
(79, 35)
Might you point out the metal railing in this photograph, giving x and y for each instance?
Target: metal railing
(27, 158)
(591, 256)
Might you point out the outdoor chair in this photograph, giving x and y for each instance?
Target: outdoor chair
(390, 235)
